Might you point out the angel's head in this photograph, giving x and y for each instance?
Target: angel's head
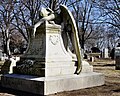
(45, 12)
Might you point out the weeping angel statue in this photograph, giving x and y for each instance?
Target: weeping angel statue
(70, 33)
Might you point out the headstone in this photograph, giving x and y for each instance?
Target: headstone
(7, 67)
(47, 67)
(95, 50)
(117, 58)
(112, 54)
(13, 63)
(92, 59)
(0, 54)
(105, 53)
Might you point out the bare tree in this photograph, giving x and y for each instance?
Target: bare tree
(6, 19)
(82, 10)
(110, 11)
(110, 16)
(27, 12)
(26, 15)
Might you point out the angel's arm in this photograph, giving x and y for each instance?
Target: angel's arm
(47, 18)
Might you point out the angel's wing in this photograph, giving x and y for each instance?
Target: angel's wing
(67, 16)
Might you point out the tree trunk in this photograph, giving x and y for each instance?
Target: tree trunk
(8, 48)
(53, 4)
(82, 44)
(8, 43)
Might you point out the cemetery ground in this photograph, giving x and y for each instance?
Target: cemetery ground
(110, 88)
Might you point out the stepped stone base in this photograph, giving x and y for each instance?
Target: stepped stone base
(51, 85)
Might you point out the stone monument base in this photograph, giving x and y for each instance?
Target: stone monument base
(51, 85)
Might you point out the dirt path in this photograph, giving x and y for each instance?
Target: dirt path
(110, 88)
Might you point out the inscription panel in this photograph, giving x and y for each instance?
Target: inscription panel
(37, 46)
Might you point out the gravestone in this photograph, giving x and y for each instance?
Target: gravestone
(47, 67)
(0, 54)
(8, 65)
(95, 53)
(95, 50)
(117, 58)
(105, 53)
(112, 54)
